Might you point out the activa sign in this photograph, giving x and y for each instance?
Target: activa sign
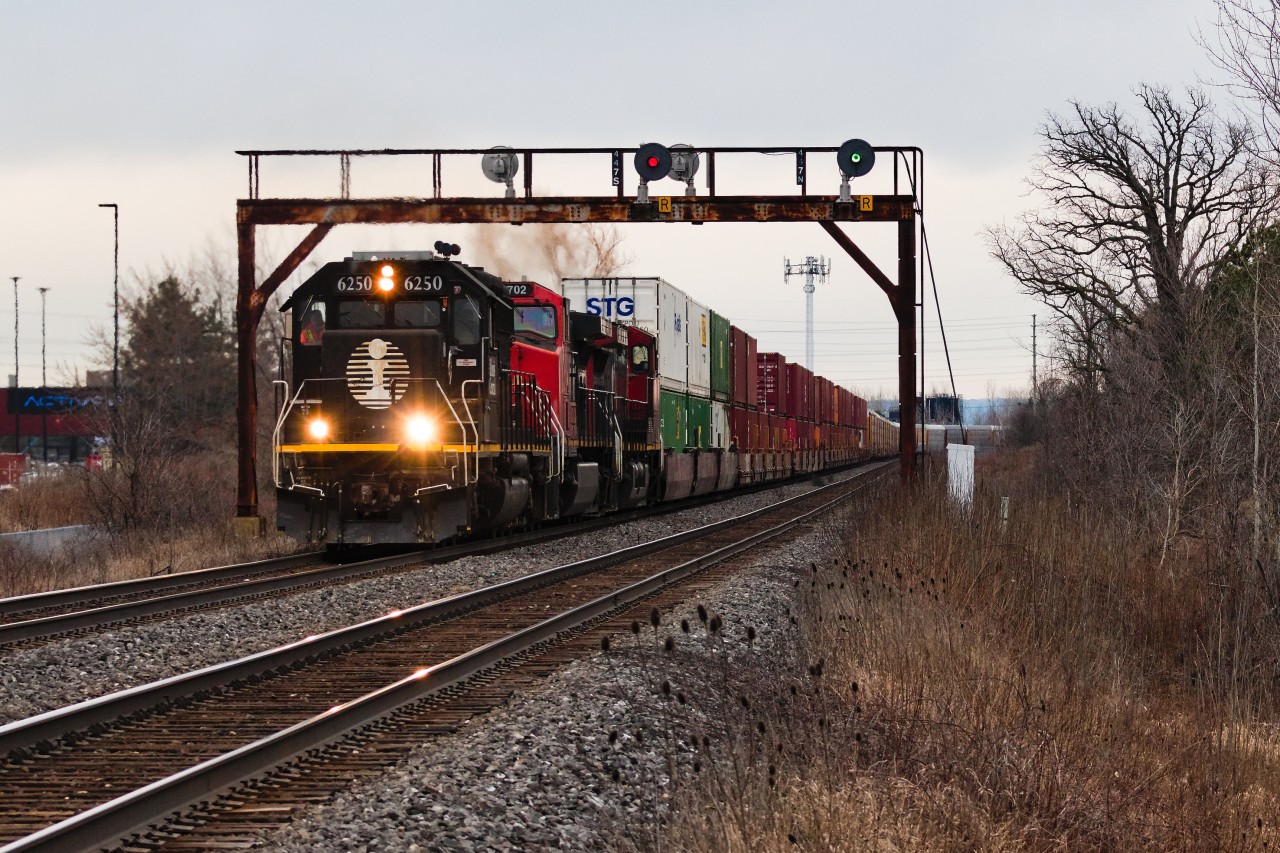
(52, 401)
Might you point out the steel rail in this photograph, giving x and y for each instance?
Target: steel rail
(115, 820)
(46, 627)
(53, 726)
(78, 594)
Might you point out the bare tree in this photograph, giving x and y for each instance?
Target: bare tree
(1246, 45)
(1137, 212)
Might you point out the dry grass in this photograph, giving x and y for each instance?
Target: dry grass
(1045, 688)
(56, 501)
(174, 519)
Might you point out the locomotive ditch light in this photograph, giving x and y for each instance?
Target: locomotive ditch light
(653, 163)
(420, 429)
(318, 428)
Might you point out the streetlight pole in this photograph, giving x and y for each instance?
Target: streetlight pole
(115, 349)
(44, 380)
(17, 417)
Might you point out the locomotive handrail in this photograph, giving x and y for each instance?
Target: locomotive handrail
(558, 439)
(475, 431)
(275, 433)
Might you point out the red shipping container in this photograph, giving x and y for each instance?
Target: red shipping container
(744, 369)
(800, 391)
(772, 394)
(740, 428)
(758, 437)
(792, 406)
(809, 398)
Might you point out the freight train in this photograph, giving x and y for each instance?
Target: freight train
(427, 399)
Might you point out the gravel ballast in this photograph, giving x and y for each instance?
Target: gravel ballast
(584, 761)
(66, 671)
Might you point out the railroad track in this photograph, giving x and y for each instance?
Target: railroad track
(335, 704)
(32, 620)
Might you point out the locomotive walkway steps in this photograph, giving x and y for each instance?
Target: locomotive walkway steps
(44, 784)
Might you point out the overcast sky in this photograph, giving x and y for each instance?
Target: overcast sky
(144, 104)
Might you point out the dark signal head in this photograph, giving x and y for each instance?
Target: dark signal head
(855, 158)
(653, 161)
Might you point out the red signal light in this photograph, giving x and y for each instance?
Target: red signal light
(653, 161)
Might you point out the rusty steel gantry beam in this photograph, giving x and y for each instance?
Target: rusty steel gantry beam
(323, 214)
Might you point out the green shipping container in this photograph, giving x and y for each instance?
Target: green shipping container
(699, 422)
(673, 411)
(721, 368)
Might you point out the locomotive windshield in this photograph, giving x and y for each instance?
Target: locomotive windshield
(361, 313)
(417, 315)
(538, 319)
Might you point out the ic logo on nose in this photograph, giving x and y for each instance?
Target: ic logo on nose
(373, 371)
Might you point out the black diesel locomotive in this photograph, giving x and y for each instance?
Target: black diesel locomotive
(427, 399)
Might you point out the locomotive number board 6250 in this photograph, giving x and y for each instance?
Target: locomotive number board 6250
(411, 284)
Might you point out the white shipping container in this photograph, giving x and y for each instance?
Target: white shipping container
(652, 304)
(699, 349)
(720, 435)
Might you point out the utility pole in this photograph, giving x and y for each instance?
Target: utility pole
(809, 268)
(115, 323)
(17, 418)
(1035, 381)
(44, 378)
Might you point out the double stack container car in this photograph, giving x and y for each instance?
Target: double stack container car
(429, 399)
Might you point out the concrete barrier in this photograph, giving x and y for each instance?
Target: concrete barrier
(48, 540)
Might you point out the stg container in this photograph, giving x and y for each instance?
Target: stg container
(773, 382)
(721, 364)
(655, 305)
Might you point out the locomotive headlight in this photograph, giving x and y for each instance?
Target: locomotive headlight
(318, 428)
(386, 278)
(420, 429)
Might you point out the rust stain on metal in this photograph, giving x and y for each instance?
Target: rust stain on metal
(561, 209)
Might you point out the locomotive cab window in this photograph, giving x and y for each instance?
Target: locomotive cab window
(361, 314)
(537, 319)
(465, 317)
(414, 314)
(640, 359)
(311, 327)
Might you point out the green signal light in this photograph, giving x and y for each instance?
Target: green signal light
(857, 158)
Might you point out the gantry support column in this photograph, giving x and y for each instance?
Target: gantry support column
(251, 302)
(246, 375)
(902, 297)
(904, 308)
